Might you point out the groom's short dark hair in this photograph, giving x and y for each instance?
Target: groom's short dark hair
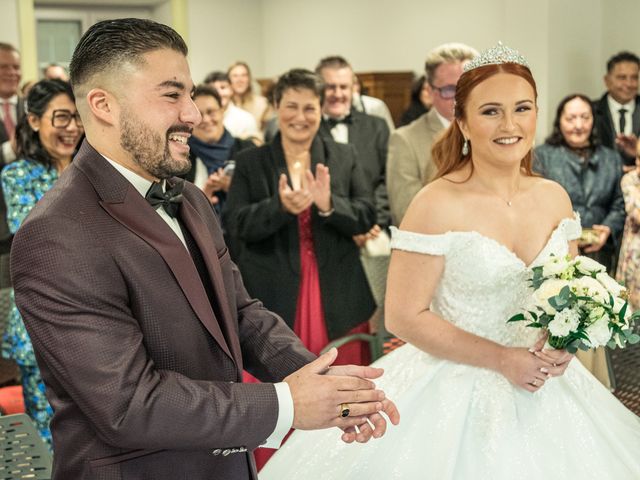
(111, 43)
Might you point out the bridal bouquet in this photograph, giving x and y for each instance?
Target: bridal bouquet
(579, 305)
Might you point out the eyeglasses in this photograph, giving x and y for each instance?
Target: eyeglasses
(62, 118)
(447, 92)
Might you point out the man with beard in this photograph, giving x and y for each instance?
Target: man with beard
(139, 319)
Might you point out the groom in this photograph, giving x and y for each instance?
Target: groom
(139, 319)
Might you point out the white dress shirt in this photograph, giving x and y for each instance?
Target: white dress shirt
(614, 109)
(340, 132)
(240, 123)
(373, 106)
(285, 401)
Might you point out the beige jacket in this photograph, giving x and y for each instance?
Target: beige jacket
(409, 165)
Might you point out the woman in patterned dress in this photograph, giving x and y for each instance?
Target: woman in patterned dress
(629, 262)
(47, 137)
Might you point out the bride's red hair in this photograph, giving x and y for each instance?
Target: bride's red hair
(447, 150)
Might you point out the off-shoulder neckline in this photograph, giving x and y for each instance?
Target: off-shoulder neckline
(561, 224)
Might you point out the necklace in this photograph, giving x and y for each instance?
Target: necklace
(508, 201)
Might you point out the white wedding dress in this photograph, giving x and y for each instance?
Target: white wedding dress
(467, 423)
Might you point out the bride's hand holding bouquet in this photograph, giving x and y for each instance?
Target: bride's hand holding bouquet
(579, 305)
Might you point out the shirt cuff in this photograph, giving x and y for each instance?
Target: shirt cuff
(285, 416)
(7, 152)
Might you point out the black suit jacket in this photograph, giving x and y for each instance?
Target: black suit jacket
(270, 251)
(369, 136)
(143, 372)
(605, 125)
(5, 233)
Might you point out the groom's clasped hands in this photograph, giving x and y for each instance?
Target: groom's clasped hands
(322, 393)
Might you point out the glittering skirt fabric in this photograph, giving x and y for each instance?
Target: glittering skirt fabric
(461, 422)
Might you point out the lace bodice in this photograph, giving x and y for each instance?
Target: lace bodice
(484, 283)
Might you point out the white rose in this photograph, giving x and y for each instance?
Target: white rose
(587, 266)
(610, 284)
(590, 287)
(598, 332)
(555, 266)
(564, 322)
(550, 288)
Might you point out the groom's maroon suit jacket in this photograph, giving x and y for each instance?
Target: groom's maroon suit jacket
(142, 371)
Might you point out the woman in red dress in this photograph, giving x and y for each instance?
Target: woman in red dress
(292, 211)
(294, 207)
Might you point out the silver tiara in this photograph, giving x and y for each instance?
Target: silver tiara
(496, 55)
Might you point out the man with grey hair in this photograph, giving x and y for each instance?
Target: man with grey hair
(409, 164)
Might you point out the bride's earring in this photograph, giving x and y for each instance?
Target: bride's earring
(465, 148)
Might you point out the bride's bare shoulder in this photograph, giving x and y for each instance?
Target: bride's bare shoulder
(434, 209)
(549, 194)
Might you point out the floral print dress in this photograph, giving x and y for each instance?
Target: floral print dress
(629, 261)
(24, 182)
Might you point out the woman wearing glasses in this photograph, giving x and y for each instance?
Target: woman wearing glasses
(47, 137)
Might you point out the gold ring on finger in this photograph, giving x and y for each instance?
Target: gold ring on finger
(344, 410)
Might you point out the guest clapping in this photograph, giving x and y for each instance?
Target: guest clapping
(295, 205)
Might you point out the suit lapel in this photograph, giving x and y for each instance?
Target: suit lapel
(608, 128)
(280, 165)
(433, 121)
(319, 155)
(121, 200)
(196, 225)
(353, 129)
(636, 118)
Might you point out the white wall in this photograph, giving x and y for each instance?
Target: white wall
(223, 31)
(372, 34)
(621, 28)
(396, 35)
(9, 22)
(567, 42)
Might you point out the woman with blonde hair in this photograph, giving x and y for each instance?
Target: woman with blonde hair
(244, 97)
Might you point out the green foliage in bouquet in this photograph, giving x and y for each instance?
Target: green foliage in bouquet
(579, 305)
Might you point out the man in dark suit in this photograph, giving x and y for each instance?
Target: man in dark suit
(139, 319)
(344, 124)
(10, 113)
(617, 112)
(369, 136)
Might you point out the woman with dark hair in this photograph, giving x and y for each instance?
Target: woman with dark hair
(574, 157)
(420, 102)
(47, 137)
(480, 398)
(590, 173)
(212, 148)
(294, 206)
(244, 97)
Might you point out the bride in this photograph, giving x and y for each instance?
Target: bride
(480, 398)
